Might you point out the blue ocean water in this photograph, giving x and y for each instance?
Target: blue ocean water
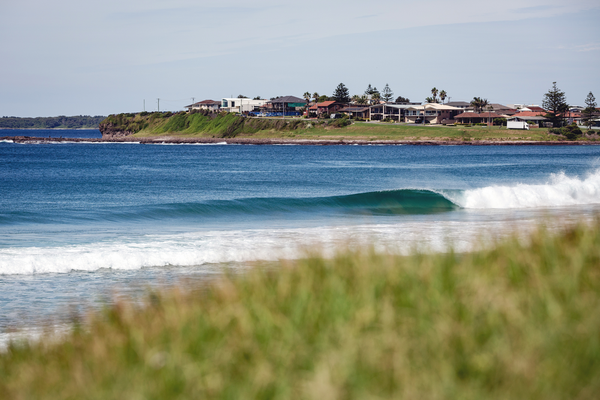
(83, 222)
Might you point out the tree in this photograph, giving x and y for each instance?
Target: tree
(430, 100)
(341, 94)
(479, 104)
(362, 99)
(257, 98)
(589, 112)
(555, 103)
(401, 99)
(434, 93)
(241, 96)
(307, 97)
(387, 94)
(323, 98)
(443, 95)
(315, 97)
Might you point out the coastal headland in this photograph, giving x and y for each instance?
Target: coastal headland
(203, 127)
(208, 127)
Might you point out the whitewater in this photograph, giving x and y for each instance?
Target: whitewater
(80, 224)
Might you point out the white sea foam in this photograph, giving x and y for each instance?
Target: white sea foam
(561, 190)
(193, 249)
(6, 141)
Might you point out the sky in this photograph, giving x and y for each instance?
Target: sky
(74, 57)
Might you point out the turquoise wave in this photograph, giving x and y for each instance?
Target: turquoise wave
(401, 202)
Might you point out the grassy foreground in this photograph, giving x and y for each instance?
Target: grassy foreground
(513, 322)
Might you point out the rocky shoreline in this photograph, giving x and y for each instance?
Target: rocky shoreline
(308, 142)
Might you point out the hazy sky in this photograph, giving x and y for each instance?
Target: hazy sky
(68, 57)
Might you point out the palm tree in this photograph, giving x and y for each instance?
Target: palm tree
(362, 99)
(355, 99)
(443, 95)
(479, 104)
(430, 100)
(434, 93)
(315, 96)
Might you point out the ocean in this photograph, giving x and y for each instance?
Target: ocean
(82, 224)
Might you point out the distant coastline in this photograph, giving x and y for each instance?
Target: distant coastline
(308, 142)
(59, 122)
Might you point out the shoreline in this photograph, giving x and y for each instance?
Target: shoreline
(306, 142)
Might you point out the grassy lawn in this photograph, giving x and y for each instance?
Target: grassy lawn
(386, 131)
(513, 322)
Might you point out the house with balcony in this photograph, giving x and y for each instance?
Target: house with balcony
(432, 113)
(357, 111)
(395, 112)
(288, 105)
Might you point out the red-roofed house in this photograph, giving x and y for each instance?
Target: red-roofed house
(328, 107)
(478, 118)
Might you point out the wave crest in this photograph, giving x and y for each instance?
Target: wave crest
(561, 190)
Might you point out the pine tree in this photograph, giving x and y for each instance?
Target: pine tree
(341, 94)
(555, 103)
(387, 94)
(590, 112)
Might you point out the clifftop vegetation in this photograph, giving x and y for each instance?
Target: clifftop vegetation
(223, 124)
(76, 122)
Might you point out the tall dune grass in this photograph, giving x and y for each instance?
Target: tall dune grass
(513, 322)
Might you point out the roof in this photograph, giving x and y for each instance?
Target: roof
(289, 99)
(399, 106)
(478, 115)
(204, 103)
(434, 106)
(528, 117)
(497, 106)
(323, 104)
(355, 109)
(530, 114)
(458, 103)
(535, 108)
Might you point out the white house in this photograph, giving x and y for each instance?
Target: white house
(234, 104)
(433, 113)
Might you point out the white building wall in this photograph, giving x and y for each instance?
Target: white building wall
(233, 104)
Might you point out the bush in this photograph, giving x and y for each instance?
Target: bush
(500, 121)
(571, 132)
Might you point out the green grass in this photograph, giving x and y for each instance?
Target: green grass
(225, 125)
(513, 322)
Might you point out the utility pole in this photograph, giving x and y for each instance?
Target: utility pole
(158, 100)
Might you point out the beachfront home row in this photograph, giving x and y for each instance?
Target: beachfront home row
(289, 105)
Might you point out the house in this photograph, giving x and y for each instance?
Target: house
(239, 105)
(210, 105)
(395, 112)
(326, 107)
(502, 109)
(289, 105)
(432, 113)
(486, 117)
(357, 111)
